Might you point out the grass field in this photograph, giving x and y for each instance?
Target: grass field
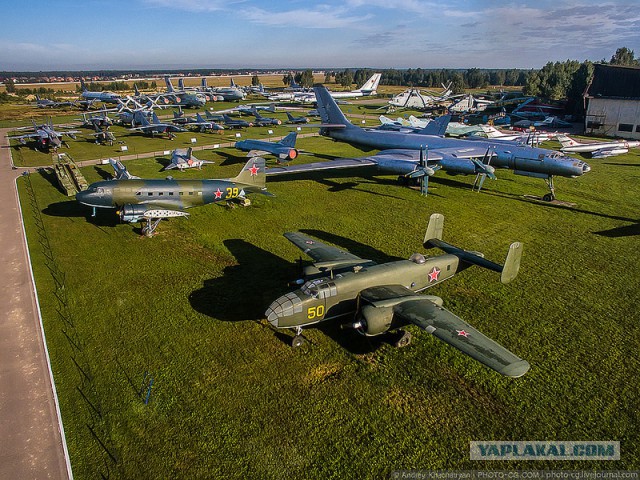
(230, 398)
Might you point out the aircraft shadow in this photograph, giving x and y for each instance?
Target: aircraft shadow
(626, 231)
(71, 208)
(231, 159)
(104, 174)
(164, 161)
(623, 164)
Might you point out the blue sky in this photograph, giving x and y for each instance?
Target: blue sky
(90, 34)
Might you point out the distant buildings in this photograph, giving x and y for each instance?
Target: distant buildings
(613, 102)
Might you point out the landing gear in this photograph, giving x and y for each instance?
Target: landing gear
(404, 340)
(298, 340)
(549, 197)
(149, 228)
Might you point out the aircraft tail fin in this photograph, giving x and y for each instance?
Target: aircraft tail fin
(189, 152)
(436, 127)
(329, 110)
(82, 85)
(135, 90)
(203, 82)
(167, 82)
(290, 117)
(121, 172)
(232, 83)
(181, 83)
(155, 118)
(371, 85)
(567, 141)
(253, 174)
(290, 140)
(508, 271)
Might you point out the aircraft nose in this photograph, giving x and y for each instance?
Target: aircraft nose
(285, 306)
(586, 168)
(82, 196)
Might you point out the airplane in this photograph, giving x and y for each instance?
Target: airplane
(597, 149)
(523, 160)
(183, 98)
(44, 135)
(550, 121)
(182, 158)
(412, 98)
(100, 119)
(156, 126)
(151, 200)
(104, 97)
(249, 109)
(103, 136)
(369, 87)
(228, 94)
(47, 103)
(470, 104)
(234, 123)
(284, 149)
(296, 120)
(204, 125)
(264, 121)
(120, 171)
(382, 298)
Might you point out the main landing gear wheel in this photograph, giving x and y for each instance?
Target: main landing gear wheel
(404, 340)
(549, 197)
(297, 341)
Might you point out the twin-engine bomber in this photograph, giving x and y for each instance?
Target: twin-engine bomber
(381, 298)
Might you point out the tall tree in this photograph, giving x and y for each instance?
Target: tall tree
(624, 56)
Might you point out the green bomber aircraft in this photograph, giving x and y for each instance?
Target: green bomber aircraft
(381, 298)
(151, 200)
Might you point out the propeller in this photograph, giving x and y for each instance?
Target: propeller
(422, 172)
(483, 170)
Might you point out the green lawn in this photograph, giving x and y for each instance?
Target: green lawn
(230, 397)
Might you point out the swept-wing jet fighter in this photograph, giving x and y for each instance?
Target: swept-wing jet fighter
(284, 149)
(103, 136)
(44, 136)
(380, 298)
(597, 149)
(157, 127)
(234, 123)
(264, 121)
(47, 103)
(120, 171)
(104, 97)
(151, 200)
(182, 158)
(296, 120)
(521, 159)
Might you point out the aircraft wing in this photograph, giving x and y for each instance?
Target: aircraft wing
(337, 164)
(323, 255)
(451, 329)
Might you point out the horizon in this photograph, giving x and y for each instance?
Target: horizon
(255, 34)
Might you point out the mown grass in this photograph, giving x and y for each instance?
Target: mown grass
(232, 399)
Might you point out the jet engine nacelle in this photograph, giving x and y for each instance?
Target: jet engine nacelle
(288, 154)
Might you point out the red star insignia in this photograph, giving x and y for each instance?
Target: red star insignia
(309, 242)
(433, 275)
(462, 333)
(254, 170)
(218, 194)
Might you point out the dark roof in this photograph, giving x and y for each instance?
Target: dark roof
(614, 81)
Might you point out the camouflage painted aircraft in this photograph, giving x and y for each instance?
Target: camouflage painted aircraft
(157, 127)
(44, 136)
(47, 103)
(151, 200)
(296, 120)
(381, 298)
(261, 121)
(284, 149)
(182, 158)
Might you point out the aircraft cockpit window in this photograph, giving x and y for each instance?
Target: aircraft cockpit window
(417, 258)
(100, 190)
(311, 287)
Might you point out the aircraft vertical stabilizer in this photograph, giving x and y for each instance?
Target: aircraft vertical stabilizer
(329, 110)
(434, 228)
(253, 173)
(289, 140)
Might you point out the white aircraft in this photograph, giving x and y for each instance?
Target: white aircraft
(412, 98)
(182, 158)
(471, 104)
(597, 149)
(369, 87)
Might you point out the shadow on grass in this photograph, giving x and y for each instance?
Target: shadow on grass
(231, 159)
(104, 174)
(626, 231)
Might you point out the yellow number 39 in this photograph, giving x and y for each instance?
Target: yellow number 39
(232, 192)
(315, 312)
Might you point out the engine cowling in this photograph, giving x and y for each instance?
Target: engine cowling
(133, 213)
(371, 320)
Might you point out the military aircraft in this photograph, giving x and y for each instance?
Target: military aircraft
(381, 298)
(296, 120)
(522, 159)
(182, 97)
(99, 119)
(103, 136)
(229, 94)
(120, 171)
(182, 158)
(413, 98)
(597, 149)
(151, 200)
(470, 104)
(47, 103)
(149, 128)
(44, 136)
(250, 109)
(261, 121)
(284, 149)
(234, 123)
(104, 97)
(369, 87)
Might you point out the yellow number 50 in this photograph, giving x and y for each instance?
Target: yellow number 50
(315, 312)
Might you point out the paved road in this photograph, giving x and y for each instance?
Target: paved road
(31, 444)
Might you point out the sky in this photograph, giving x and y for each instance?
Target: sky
(155, 34)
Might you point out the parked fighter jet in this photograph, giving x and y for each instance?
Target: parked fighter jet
(234, 123)
(284, 149)
(103, 136)
(523, 160)
(380, 298)
(296, 120)
(157, 126)
(44, 136)
(182, 158)
(47, 103)
(120, 171)
(597, 149)
(264, 121)
(104, 97)
(151, 200)
(182, 98)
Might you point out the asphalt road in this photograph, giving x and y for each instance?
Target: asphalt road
(31, 443)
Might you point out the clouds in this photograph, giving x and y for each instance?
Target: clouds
(334, 33)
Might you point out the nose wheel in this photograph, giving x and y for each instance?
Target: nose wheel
(298, 340)
(550, 197)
